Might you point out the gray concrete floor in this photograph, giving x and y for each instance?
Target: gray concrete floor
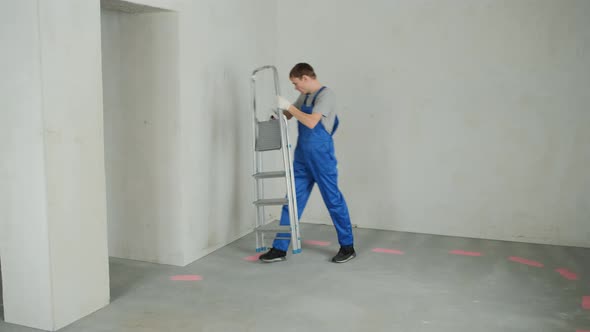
(424, 289)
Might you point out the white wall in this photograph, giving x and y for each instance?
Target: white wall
(221, 42)
(460, 117)
(23, 213)
(53, 202)
(141, 113)
(205, 194)
(464, 120)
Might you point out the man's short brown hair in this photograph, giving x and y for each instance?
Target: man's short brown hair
(301, 69)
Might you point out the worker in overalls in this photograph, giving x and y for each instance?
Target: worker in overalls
(315, 161)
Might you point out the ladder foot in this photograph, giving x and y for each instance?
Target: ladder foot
(296, 251)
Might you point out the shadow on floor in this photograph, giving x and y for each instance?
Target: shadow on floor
(125, 275)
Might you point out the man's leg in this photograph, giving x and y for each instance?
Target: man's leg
(324, 168)
(325, 172)
(328, 185)
(303, 186)
(339, 212)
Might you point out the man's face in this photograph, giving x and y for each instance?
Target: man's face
(301, 84)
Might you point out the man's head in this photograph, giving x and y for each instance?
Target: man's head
(304, 79)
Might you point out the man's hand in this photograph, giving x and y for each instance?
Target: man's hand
(275, 115)
(284, 104)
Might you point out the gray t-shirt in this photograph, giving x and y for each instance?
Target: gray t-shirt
(324, 104)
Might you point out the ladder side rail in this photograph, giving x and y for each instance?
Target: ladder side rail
(290, 186)
(289, 177)
(257, 165)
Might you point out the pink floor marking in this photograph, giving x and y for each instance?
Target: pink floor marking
(388, 251)
(188, 277)
(525, 261)
(317, 243)
(465, 253)
(567, 274)
(586, 302)
(582, 330)
(253, 258)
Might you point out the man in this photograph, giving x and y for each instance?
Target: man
(315, 162)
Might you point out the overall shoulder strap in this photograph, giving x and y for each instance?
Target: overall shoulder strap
(316, 95)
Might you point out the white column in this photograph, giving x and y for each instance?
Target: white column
(53, 243)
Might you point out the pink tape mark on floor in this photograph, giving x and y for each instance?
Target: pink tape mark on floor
(317, 243)
(586, 302)
(188, 277)
(253, 258)
(567, 274)
(582, 330)
(465, 253)
(388, 251)
(525, 261)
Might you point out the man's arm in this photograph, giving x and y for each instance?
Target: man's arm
(285, 113)
(297, 102)
(288, 115)
(308, 120)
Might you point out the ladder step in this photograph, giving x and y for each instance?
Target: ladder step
(271, 201)
(267, 175)
(273, 228)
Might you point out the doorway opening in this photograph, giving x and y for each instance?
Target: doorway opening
(140, 113)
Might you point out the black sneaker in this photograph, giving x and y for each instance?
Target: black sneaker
(273, 255)
(344, 254)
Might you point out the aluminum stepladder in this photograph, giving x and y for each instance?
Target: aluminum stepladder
(272, 135)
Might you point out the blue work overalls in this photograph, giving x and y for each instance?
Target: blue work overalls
(315, 162)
